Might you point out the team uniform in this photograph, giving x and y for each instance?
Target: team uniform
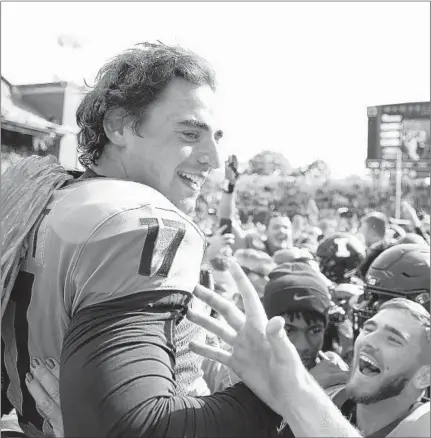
(108, 278)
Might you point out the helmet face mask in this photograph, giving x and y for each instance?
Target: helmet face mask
(401, 271)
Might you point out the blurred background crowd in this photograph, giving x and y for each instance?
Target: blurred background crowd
(274, 217)
(264, 210)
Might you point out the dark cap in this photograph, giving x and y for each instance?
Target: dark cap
(296, 287)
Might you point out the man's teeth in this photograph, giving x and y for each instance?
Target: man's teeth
(369, 360)
(194, 179)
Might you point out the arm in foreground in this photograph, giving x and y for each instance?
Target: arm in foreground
(117, 378)
(265, 359)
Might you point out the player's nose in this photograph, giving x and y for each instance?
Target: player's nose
(210, 155)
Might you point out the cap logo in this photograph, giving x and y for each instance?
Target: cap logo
(297, 297)
(342, 250)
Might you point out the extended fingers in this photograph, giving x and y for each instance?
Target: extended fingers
(214, 353)
(213, 325)
(229, 238)
(283, 350)
(252, 304)
(230, 312)
(220, 230)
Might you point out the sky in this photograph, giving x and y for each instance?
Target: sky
(295, 78)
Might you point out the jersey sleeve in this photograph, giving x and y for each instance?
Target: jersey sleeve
(137, 250)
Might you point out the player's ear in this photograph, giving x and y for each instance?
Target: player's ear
(114, 123)
(421, 379)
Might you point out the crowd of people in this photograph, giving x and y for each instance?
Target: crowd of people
(121, 317)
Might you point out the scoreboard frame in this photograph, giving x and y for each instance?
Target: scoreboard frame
(389, 121)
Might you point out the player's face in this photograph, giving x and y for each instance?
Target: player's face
(279, 232)
(386, 356)
(177, 145)
(307, 338)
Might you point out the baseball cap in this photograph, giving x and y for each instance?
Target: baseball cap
(296, 287)
(290, 255)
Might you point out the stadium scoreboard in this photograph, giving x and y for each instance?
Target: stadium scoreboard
(404, 127)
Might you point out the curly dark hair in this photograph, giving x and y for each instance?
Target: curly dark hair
(132, 81)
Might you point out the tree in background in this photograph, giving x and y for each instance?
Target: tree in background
(271, 184)
(269, 163)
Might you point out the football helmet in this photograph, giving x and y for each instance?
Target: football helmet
(413, 238)
(339, 255)
(402, 271)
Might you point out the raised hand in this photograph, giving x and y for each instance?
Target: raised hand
(231, 169)
(261, 355)
(218, 242)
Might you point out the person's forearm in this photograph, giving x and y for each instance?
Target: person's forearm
(310, 412)
(227, 210)
(227, 206)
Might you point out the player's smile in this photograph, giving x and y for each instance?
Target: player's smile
(193, 180)
(367, 370)
(281, 238)
(368, 366)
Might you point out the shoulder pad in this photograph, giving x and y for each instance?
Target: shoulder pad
(78, 210)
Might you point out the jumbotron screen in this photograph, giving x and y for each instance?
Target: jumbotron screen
(404, 126)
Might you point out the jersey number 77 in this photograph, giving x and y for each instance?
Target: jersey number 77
(150, 242)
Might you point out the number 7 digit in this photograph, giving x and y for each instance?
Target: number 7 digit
(150, 243)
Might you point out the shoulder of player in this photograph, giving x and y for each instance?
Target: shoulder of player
(416, 424)
(421, 413)
(104, 204)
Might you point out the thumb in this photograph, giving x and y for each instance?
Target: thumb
(282, 349)
(219, 232)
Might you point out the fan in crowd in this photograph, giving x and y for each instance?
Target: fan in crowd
(278, 233)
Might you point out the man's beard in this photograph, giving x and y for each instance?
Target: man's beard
(390, 388)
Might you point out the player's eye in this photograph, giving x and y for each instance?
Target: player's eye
(191, 135)
(366, 329)
(394, 340)
(316, 330)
